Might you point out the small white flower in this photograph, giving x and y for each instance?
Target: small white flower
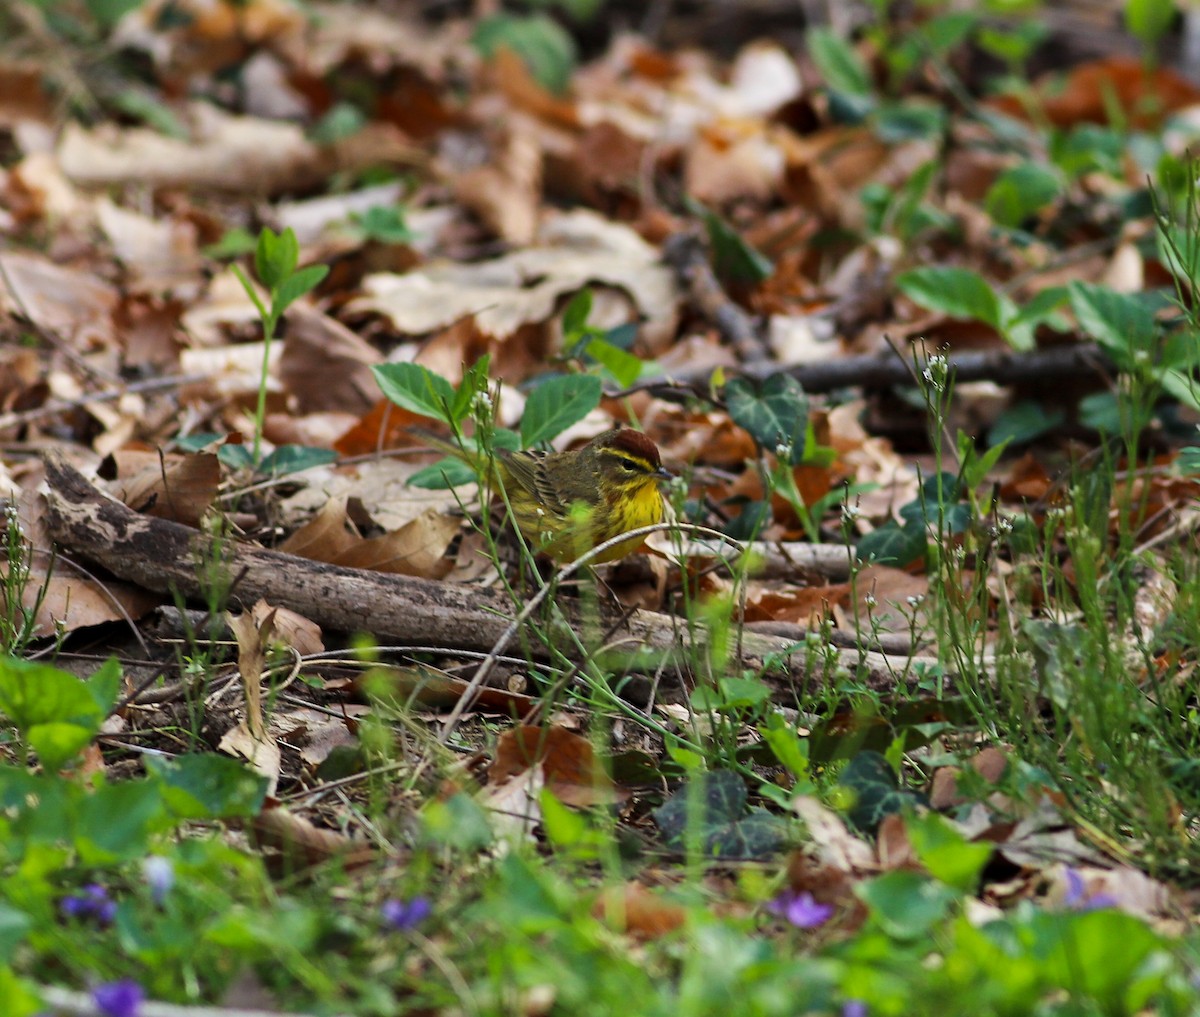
(870, 600)
(914, 601)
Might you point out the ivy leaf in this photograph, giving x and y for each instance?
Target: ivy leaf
(775, 414)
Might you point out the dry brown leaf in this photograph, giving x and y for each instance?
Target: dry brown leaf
(576, 249)
(325, 365)
(418, 548)
(892, 599)
(516, 804)
(76, 307)
(180, 488)
(567, 760)
(294, 834)
(71, 598)
(224, 152)
(160, 255)
(834, 844)
(635, 910)
(507, 193)
(325, 536)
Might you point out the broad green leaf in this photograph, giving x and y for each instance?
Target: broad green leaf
(1102, 411)
(841, 68)
(786, 744)
(415, 388)
(775, 413)
(1021, 192)
(1023, 422)
(475, 382)
(575, 316)
(892, 544)
(275, 256)
(958, 292)
(116, 821)
(622, 365)
(444, 474)
(342, 120)
(236, 457)
(946, 853)
(904, 904)
(1119, 322)
(734, 260)
(542, 44)
(1149, 19)
(233, 244)
(56, 712)
(208, 786)
(14, 926)
(294, 458)
(385, 224)
(911, 120)
(556, 404)
(296, 285)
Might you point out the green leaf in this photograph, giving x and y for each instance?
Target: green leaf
(556, 404)
(958, 292)
(233, 244)
(294, 458)
(385, 224)
(142, 105)
(1021, 192)
(734, 260)
(444, 474)
(474, 382)
(542, 44)
(14, 926)
(892, 544)
(786, 744)
(296, 285)
(275, 256)
(342, 120)
(624, 367)
(1023, 422)
(575, 317)
(1120, 322)
(945, 852)
(906, 905)
(774, 414)
(208, 786)
(56, 712)
(115, 822)
(898, 122)
(236, 457)
(840, 66)
(1148, 20)
(415, 388)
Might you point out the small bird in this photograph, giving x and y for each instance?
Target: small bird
(566, 503)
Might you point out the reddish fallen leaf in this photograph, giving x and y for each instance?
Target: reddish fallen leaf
(567, 759)
(635, 910)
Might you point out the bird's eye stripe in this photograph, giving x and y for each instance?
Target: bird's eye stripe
(631, 462)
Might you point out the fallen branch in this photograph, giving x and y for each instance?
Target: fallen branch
(876, 371)
(167, 557)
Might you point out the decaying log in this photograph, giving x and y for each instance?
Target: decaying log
(167, 557)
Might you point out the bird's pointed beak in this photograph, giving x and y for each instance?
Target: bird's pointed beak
(662, 473)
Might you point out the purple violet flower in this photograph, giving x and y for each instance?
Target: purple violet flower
(854, 1008)
(119, 999)
(1078, 898)
(402, 915)
(801, 909)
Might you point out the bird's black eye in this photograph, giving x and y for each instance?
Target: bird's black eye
(627, 465)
